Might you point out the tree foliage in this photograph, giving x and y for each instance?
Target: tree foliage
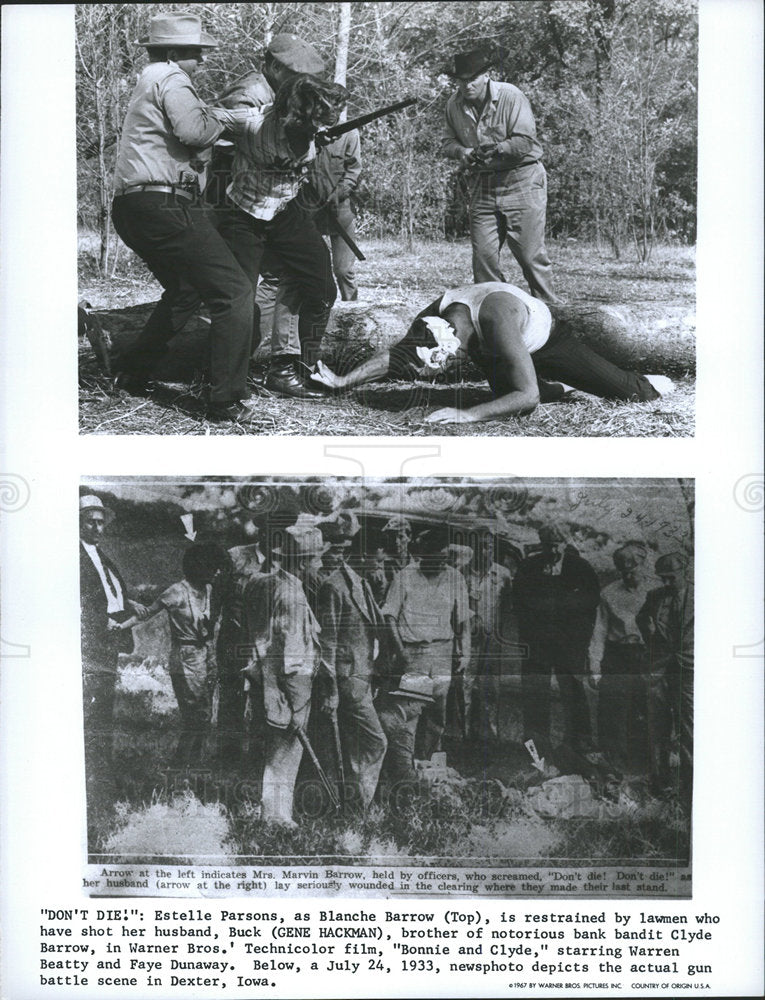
(612, 84)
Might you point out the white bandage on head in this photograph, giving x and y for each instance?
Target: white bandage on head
(447, 343)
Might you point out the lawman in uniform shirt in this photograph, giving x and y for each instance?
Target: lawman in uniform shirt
(158, 213)
(490, 129)
(618, 657)
(428, 610)
(514, 339)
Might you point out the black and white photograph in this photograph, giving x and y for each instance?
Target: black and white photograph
(440, 672)
(387, 218)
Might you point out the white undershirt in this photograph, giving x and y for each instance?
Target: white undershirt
(115, 600)
(536, 331)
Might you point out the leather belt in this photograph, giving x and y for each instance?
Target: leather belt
(161, 188)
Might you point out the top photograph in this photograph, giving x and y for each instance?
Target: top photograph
(362, 219)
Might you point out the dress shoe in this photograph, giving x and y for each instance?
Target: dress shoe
(285, 381)
(236, 412)
(135, 385)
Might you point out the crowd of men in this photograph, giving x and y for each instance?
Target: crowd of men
(336, 646)
(240, 230)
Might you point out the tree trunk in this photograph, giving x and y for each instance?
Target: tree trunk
(343, 36)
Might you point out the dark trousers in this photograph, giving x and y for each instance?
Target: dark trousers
(343, 258)
(295, 243)
(623, 705)
(568, 662)
(566, 359)
(231, 694)
(194, 711)
(177, 240)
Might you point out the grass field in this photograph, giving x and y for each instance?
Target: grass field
(415, 276)
(483, 814)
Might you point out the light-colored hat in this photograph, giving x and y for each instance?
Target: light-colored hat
(169, 31)
(415, 686)
(90, 502)
(295, 54)
(397, 523)
(301, 541)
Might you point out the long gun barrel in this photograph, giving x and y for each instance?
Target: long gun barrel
(324, 136)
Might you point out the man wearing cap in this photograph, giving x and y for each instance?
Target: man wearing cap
(350, 623)
(277, 311)
(399, 713)
(617, 657)
(666, 622)
(514, 339)
(282, 636)
(428, 610)
(556, 595)
(104, 604)
(158, 213)
(490, 590)
(263, 215)
(490, 130)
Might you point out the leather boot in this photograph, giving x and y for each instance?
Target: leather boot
(284, 380)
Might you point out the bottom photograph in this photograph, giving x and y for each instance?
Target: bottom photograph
(381, 687)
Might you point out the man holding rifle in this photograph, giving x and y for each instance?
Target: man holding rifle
(350, 624)
(490, 130)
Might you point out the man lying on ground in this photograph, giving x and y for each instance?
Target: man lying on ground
(514, 339)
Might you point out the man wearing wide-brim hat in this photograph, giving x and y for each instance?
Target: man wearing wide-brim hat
(399, 711)
(281, 640)
(157, 212)
(428, 611)
(666, 622)
(351, 627)
(490, 130)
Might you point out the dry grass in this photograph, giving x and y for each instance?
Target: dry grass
(392, 409)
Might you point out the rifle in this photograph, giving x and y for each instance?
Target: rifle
(339, 756)
(306, 743)
(327, 135)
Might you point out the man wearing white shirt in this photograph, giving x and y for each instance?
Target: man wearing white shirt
(103, 605)
(427, 608)
(617, 651)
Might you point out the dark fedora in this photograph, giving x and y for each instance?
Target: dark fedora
(472, 63)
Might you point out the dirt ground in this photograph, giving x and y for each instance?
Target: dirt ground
(416, 276)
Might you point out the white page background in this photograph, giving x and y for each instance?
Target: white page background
(43, 459)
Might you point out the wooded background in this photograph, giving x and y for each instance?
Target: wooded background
(613, 86)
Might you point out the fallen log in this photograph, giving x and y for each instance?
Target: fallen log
(641, 337)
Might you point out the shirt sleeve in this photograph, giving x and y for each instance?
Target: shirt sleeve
(352, 164)
(451, 147)
(461, 601)
(394, 600)
(599, 633)
(521, 129)
(193, 123)
(329, 611)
